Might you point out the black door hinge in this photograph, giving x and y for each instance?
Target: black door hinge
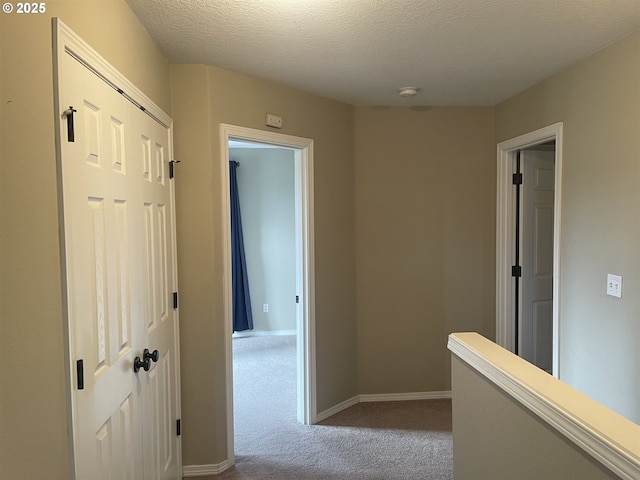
(171, 164)
(517, 179)
(80, 374)
(297, 298)
(178, 427)
(175, 300)
(516, 271)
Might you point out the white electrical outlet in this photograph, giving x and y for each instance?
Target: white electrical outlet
(614, 285)
(265, 307)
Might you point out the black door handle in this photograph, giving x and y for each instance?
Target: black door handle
(150, 355)
(144, 364)
(68, 113)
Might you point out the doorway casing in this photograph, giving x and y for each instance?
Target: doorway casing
(305, 322)
(505, 236)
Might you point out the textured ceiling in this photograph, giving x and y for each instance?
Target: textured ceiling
(457, 52)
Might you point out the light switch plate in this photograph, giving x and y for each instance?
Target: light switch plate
(614, 285)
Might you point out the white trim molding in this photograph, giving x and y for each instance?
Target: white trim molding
(202, 470)
(337, 408)
(402, 397)
(602, 433)
(382, 397)
(305, 266)
(505, 238)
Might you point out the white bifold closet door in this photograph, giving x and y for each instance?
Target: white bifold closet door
(119, 254)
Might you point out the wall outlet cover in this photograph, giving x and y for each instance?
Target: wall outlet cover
(614, 285)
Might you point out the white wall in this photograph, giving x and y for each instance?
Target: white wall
(267, 202)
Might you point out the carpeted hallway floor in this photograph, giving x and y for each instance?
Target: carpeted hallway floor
(369, 441)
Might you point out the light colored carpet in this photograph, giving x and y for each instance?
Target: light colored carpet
(370, 441)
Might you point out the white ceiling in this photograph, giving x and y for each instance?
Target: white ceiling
(457, 52)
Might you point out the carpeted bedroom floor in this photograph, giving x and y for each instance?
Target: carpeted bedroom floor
(368, 441)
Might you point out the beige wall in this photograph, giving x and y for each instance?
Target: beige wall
(496, 438)
(425, 202)
(598, 100)
(33, 402)
(204, 97)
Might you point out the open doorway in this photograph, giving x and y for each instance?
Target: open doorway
(264, 317)
(528, 246)
(303, 294)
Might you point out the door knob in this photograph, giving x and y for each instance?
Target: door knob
(150, 355)
(144, 364)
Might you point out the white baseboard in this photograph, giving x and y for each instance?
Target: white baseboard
(395, 397)
(202, 470)
(337, 408)
(382, 397)
(263, 333)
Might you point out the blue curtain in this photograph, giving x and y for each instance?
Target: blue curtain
(242, 316)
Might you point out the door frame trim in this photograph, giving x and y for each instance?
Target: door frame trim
(505, 227)
(305, 266)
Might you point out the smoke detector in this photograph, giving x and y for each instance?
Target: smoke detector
(407, 91)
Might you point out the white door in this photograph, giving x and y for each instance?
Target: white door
(120, 278)
(537, 257)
